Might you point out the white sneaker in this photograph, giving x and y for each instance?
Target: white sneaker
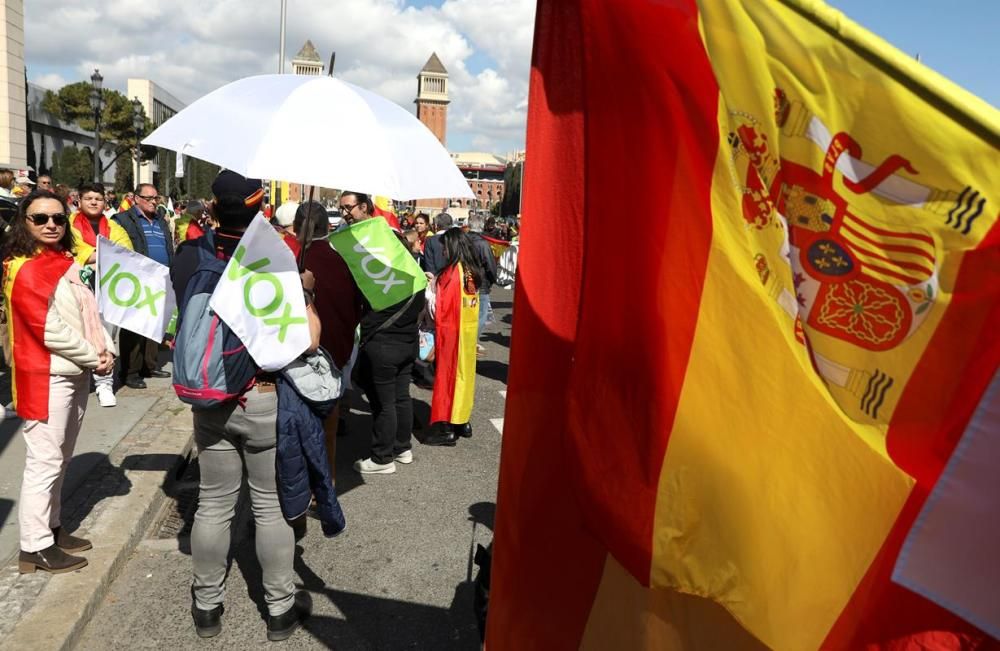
(405, 457)
(369, 467)
(106, 396)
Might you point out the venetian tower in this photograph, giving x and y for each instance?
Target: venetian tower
(307, 61)
(432, 97)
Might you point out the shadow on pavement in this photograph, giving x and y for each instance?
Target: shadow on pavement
(497, 338)
(102, 480)
(492, 369)
(483, 513)
(8, 429)
(372, 622)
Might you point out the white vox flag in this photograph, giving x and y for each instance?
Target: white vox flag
(133, 291)
(260, 298)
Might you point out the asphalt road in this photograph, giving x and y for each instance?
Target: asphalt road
(400, 577)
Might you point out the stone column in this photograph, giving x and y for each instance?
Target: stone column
(13, 121)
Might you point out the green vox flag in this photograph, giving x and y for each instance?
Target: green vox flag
(384, 270)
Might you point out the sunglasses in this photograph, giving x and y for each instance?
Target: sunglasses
(152, 198)
(41, 219)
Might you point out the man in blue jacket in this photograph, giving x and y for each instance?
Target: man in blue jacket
(150, 236)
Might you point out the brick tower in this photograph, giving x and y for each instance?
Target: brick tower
(432, 97)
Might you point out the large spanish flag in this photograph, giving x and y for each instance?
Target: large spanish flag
(456, 325)
(28, 284)
(724, 419)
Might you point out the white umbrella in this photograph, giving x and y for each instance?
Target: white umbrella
(317, 131)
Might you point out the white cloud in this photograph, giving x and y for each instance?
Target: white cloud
(191, 47)
(52, 81)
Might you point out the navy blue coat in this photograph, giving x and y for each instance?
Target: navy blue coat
(302, 467)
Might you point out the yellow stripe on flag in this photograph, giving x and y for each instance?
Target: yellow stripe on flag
(764, 478)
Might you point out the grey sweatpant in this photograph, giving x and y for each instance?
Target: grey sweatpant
(230, 438)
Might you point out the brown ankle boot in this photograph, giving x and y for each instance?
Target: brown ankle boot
(51, 559)
(70, 544)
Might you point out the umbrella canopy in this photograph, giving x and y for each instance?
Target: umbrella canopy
(318, 131)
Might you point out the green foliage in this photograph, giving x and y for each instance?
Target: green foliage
(512, 189)
(123, 176)
(197, 183)
(72, 165)
(72, 104)
(495, 209)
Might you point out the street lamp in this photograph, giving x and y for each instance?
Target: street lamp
(138, 122)
(97, 106)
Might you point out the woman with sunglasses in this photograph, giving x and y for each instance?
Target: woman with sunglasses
(54, 334)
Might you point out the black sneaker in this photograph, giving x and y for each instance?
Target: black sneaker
(280, 627)
(207, 623)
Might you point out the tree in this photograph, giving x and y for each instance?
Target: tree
(72, 104)
(198, 181)
(72, 166)
(512, 189)
(123, 176)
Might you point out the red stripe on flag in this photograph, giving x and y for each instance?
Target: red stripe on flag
(912, 266)
(545, 569)
(448, 318)
(900, 248)
(581, 459)
(933, 412)
(882, 231)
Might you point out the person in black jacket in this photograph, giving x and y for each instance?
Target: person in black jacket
(389, 346)
(484, 254)
(150, 236)
(434, 260)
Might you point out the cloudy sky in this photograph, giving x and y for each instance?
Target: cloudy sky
(191, 47)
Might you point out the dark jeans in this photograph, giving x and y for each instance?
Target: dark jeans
(138, 355)
(385, 367)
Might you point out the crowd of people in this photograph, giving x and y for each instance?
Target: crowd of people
(57, 345)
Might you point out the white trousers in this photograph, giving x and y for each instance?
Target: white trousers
(49, 445)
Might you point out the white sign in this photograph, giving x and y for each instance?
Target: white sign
(260, 298)
(133, 291)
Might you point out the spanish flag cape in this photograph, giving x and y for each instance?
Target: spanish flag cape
(769, 414)
(496, 246)
(28, 285)
(87, 234)
(456, 325)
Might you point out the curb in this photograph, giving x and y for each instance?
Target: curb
(66, 604)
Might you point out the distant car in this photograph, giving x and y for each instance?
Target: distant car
(335, 217)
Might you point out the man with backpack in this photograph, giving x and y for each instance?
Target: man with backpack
(235, 408)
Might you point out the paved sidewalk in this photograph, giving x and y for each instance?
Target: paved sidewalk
(112, 492)
(400, 576)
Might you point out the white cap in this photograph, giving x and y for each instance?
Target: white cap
(285, 214)
(22, 180)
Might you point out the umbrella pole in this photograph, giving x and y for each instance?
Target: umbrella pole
(305, 237)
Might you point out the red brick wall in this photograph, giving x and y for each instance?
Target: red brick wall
(435, 116)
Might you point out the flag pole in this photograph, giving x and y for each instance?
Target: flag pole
(281, 38)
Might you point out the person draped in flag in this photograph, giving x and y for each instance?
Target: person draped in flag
(54, 333)
(90, 221)
(456, 324)
(189, 224)
(86, 224)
